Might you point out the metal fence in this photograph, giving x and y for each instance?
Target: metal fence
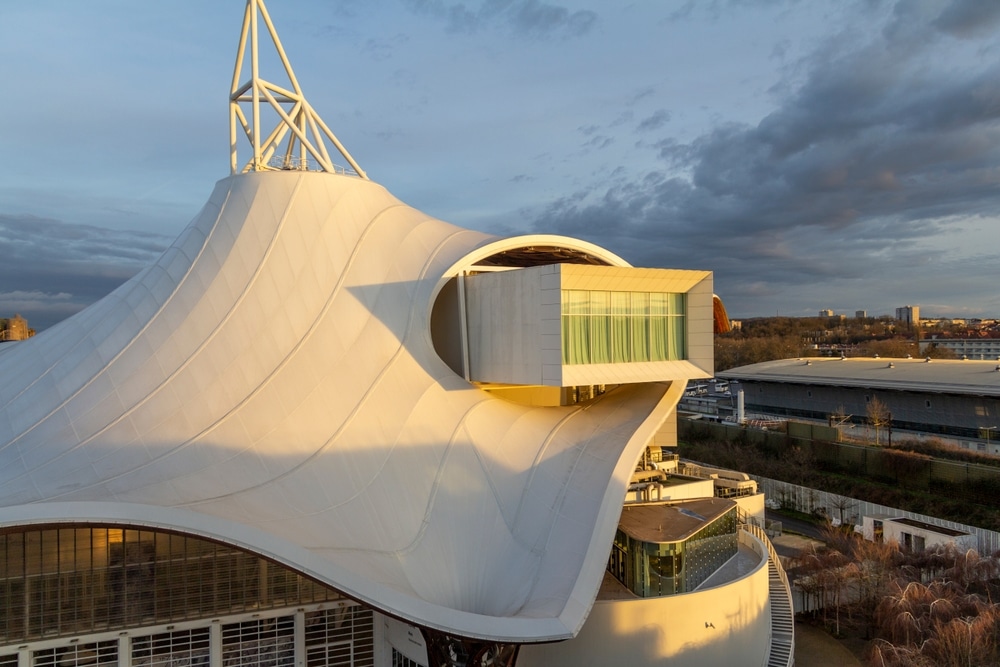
(804, 499)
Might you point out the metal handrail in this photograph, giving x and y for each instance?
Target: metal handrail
(303, 163)
(772, 555)
(761, 535)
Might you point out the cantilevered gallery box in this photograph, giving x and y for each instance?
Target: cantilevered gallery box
(566, 325)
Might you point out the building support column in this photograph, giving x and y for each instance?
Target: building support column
(124, 650)
(299, 641)
(215, 644)
(445, 650)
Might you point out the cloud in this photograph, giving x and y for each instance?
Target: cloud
(52, 269)
(659, 118)
(530, 19)
(715, 9)
(878, 154)
(969, 18)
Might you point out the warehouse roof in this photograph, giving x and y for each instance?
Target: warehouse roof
(946, 376)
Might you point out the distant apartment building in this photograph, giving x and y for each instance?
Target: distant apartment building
(909, 315)
(826, 313)
(970, 348)
(860, 314)
(14, 328)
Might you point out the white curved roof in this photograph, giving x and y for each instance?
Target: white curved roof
(271, 381)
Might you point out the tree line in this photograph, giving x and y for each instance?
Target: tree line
(769, 338)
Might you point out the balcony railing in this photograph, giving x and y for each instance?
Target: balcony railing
(781, 653)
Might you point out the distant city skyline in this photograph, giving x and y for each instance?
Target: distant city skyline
(822, 155)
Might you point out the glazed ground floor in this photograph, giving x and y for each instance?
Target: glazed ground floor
(330, 634)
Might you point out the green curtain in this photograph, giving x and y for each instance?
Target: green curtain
(659, 303)
(677, 337)
(622, 327)
(621, 337)
(659, 338)
(640, 326)
(600, 339)
(576, 327)
(576, 339)
(600, 327)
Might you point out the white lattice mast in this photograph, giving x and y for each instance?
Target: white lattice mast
(298, 128)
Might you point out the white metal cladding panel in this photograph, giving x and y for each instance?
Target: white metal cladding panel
(334, 441)
(504, 321)
(700, 323)
(637, 372)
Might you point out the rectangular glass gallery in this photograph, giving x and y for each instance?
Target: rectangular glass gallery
(601, 327)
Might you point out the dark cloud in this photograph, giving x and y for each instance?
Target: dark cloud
(969, 18)
(624, 118)
(716, 9)
(599, 141)
(377, 49)
(640, 95)
(526, 18)
(861, 169)
(52, 269)
(654, 122)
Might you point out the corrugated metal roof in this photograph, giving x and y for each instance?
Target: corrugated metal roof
(946, 376)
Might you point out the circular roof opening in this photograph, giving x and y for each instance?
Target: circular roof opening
(526, 256)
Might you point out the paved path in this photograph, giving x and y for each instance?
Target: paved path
(789, 545)
(815, 648)
(795, 524)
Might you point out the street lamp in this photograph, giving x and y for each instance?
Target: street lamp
(987, 429)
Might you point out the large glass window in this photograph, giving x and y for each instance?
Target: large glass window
(67, 581)
(651, 569)
(600, 327)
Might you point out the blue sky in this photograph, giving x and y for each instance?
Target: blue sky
(814, 155)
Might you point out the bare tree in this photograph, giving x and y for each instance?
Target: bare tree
(842, 504)
(878, 415)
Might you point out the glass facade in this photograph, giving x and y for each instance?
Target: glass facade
(338, 637)
(622, 327)
(655, 569)
(72, 581)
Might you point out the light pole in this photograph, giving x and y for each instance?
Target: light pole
(987, 430)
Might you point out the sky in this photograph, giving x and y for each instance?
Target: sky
(813, 154)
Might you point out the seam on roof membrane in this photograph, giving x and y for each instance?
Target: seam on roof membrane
(125, 348)
(181, 445)
(155, 391)
(541, 452)
(436, 484)
(363, 400)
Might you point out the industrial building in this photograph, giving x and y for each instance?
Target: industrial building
(951, 399)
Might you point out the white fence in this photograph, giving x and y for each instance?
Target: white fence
(804, 499)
